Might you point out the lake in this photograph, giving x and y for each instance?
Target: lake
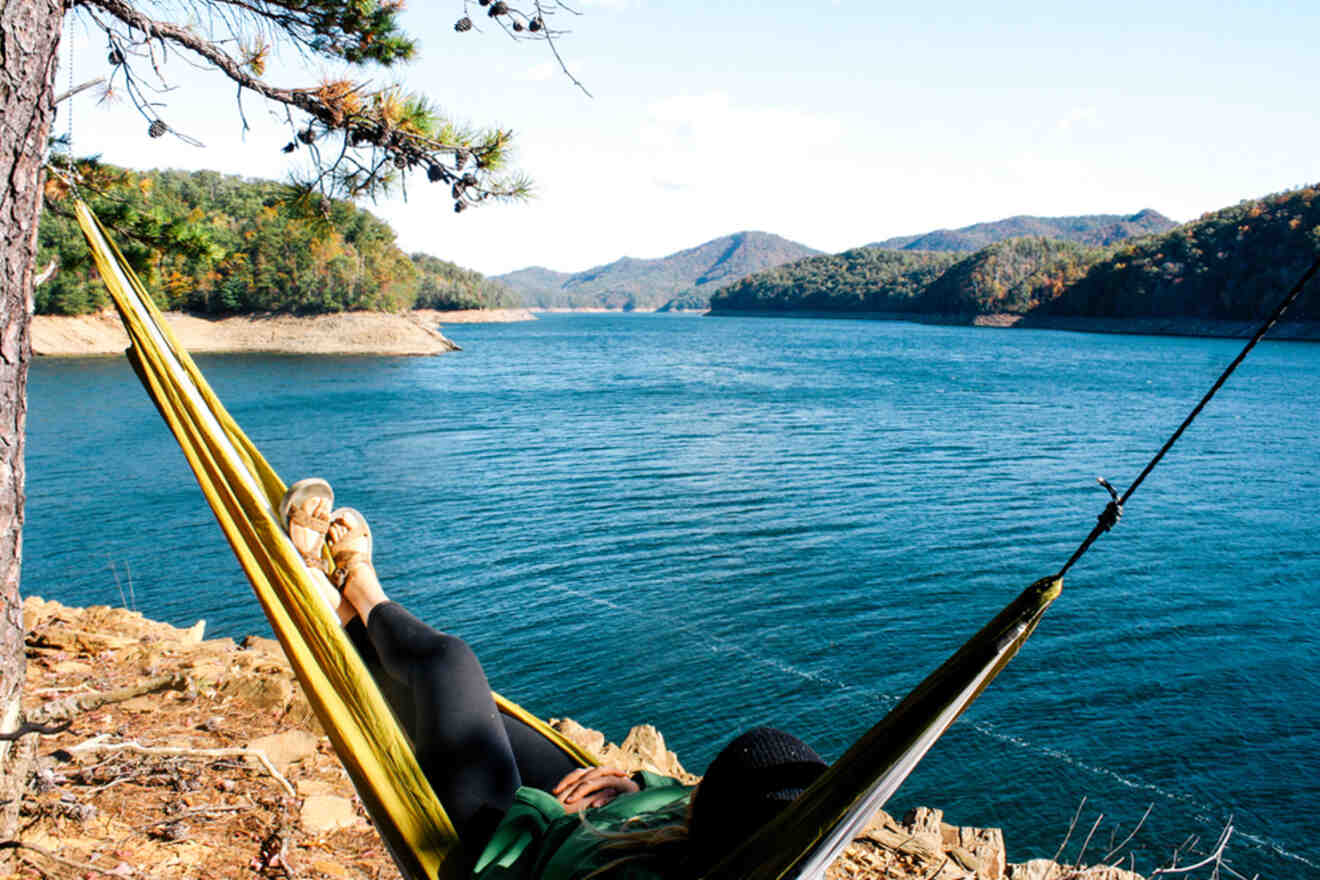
(712, 523)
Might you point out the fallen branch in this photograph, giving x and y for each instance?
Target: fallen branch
(95, 744)
(68, 863)
(67, 707)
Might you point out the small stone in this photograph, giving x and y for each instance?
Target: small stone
(287, 748)
(325, 812)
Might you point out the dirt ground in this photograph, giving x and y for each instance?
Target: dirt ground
(190, 757)
(354, 333)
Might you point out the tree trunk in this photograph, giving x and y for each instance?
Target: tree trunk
(29, 44)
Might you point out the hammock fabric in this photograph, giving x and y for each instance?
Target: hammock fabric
(243, 492)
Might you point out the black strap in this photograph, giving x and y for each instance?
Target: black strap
(1114, 509)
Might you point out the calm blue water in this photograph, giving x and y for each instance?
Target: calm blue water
(713, 523)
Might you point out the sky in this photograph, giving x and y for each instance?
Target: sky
(834, 124)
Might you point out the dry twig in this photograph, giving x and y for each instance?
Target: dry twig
(96, 744)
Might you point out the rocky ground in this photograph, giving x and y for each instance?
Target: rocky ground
(199, 758)
(370, 333)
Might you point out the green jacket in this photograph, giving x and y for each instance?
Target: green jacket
(537, 840)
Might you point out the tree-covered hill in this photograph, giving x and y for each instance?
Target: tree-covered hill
(631, 283)
(860, 280)
(1092, 229)
(1232, 264)
(220, 244)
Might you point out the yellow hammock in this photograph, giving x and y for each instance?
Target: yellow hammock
(243, 492)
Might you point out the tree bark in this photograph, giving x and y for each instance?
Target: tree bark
(29, 49)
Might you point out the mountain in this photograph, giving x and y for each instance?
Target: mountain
(1232, 264)
(630, 283)
(1093, 229)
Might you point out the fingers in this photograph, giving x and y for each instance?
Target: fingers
(577, 775)
(592, 787)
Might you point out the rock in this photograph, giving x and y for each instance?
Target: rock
(323, 813)
(644, 749)
(144, 703)
(262, 691)
(1045, 869)
(591, 741)
(286, 748)
(331, 869)
(269, 647)
(309, 787)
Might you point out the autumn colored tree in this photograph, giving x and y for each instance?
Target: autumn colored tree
(361, 140)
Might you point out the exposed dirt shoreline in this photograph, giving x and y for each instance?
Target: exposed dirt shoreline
(346, 333)
(1308, 331)
(192, 757)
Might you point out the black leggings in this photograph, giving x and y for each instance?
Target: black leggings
(474, 756)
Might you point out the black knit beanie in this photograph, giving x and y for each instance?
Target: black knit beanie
(748, 783)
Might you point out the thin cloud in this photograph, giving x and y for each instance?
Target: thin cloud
(1079, 117)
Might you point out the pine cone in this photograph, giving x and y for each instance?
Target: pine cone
(115, 57)
(460, 206)
(469, 179)
(289, 147)
(400, 161)
(463, 24)
(484, 2)
(535, 24)
(157, 128)
(499, 7)
(435, 173)
(518, 26)
(307, 136)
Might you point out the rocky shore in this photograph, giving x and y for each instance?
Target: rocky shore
(1174, 325)
(191, 757)
(345, 333)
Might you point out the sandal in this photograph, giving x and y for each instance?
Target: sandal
(292, 514)
(345, 559)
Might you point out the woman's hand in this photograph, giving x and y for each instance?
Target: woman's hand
(592, 787)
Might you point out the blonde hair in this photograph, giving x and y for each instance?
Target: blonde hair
(665, 846)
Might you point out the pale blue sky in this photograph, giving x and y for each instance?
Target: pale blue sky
(831, 123)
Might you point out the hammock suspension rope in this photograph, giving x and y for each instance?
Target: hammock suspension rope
(1114, 509)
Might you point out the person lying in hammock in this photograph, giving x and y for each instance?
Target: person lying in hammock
(511, 793)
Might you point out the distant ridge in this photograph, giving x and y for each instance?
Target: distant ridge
(1092, 229)
(630, 283)
(1229, 265)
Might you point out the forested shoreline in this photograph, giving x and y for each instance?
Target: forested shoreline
(217, 244)
(1230, 265)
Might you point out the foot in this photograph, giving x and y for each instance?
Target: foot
(309, 540)
(349, 540)
(305, 528)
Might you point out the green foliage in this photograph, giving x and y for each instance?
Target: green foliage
(860, 280)
(1013, 276)
(1232, 264)
(218, 244)
(448, 287)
